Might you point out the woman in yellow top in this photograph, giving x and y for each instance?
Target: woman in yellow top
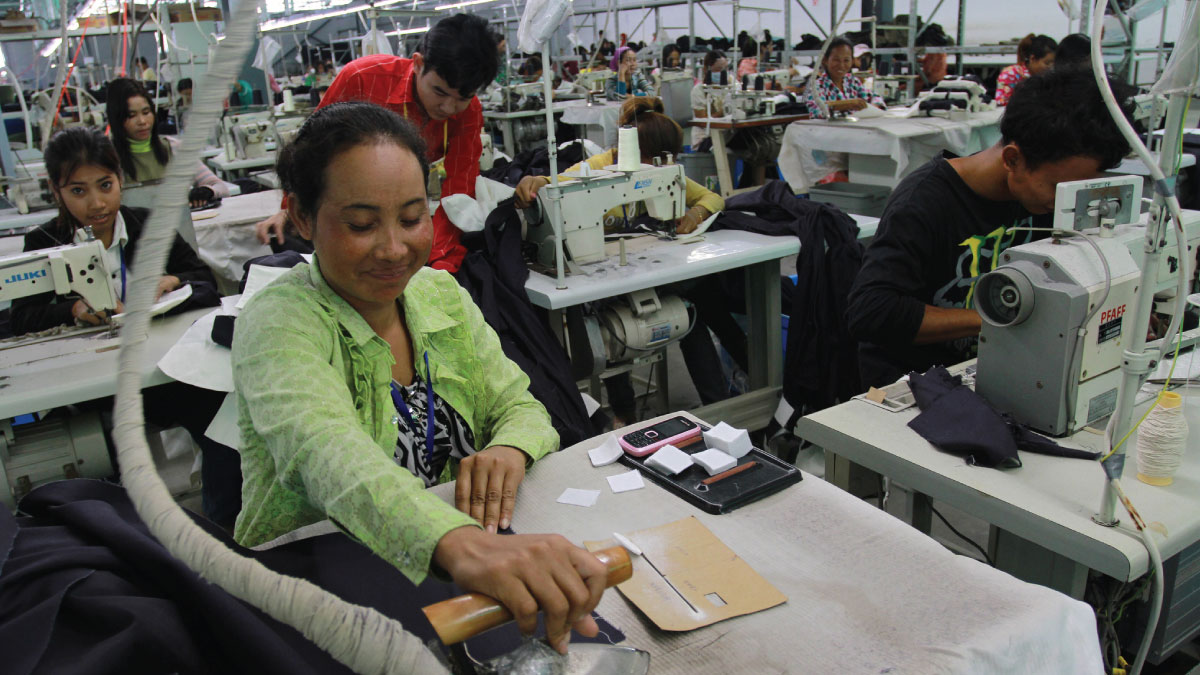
(658, 135)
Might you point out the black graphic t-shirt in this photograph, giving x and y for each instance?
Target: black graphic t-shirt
(936, 237)
(451, 438)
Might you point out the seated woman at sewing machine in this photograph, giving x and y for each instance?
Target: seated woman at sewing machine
(658, 135)
(142, 152)
(365, 377)
(837, 87)
(626, 80)
(85, 178)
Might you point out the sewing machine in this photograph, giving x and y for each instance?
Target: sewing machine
(1051, 345)
(578, 207)
(953, 94)
(74, 268)
(245, 135)
(29, 188)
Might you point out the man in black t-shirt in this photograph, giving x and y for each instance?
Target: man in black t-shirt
(947, 223)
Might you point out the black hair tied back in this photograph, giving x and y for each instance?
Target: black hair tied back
(332, 130)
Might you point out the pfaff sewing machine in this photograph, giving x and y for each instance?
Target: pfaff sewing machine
(578, 207)
(953, 94)
(1052, 341)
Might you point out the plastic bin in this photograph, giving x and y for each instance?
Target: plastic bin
(702, 168)
(859, 198)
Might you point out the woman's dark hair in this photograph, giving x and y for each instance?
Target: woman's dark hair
(120, 91)
(657, 133)
(839, 41)
(332, 130)
(1060, 114)
(1075, 51)
(712, 57)
(67, 151)
(667, 51)
(1034, 47)
(462, 51)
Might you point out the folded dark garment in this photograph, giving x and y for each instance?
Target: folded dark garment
(222, 330)
(958, 420)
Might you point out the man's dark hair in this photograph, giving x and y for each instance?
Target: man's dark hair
(462, 51)
(1075, 51)
(1060, 114)
(183, 84)
(332, 130)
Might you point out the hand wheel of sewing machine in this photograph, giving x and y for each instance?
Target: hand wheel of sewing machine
(465, 616)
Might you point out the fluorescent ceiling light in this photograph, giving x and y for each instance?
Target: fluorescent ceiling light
(410, 31)
(307, 18)
(50, 47)
(467, 3)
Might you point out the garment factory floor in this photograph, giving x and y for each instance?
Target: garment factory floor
(683, 396)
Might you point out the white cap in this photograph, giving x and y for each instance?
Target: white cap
(860, 49)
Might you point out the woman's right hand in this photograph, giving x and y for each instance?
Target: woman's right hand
(527, 573)
(84, 313)
(527, 190)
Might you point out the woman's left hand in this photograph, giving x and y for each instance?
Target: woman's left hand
(166, 284)
(487, 484)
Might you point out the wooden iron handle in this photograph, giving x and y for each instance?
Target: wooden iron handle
(466, 616)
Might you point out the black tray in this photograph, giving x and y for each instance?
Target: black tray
(770, 476)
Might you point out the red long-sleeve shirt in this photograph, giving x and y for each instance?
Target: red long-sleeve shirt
(389, 81)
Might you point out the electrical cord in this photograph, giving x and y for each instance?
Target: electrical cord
(962, 536)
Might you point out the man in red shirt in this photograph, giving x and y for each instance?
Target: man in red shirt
(435, 90)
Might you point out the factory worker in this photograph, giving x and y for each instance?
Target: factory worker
(708, 104)
(626, 80)
(144, 154)
(836, 85)
(657, 136)
(365, 377)
(148, 74)
(1035, 55)
(435, 89)
(85, 178)
(945, 224)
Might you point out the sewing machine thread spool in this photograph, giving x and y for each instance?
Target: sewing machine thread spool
(629, 156)
(289, 101)
(1161, 441)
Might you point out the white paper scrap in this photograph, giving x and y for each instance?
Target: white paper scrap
(607, 453)
(714, 461)
(576, 497)
(257, 279)
(670, 460)
(624, 482)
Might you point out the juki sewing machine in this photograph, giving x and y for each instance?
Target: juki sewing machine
(60, 447)
(1055, 315)
(578, 206)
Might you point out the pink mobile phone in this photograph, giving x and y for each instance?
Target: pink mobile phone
(675, 431)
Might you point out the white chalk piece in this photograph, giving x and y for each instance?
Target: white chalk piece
(607, 453)
(624, 482)
(629, 157)
(731, 441)
(670, 460)
(627, 543)
(714, 461)
(576, 497)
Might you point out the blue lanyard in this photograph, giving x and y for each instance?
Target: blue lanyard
(121, 252)
(430, 408)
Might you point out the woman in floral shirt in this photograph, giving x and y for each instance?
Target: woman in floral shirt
(1035, 53)
(836, 86)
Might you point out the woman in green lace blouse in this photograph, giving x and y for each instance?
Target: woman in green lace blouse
(365, 372)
